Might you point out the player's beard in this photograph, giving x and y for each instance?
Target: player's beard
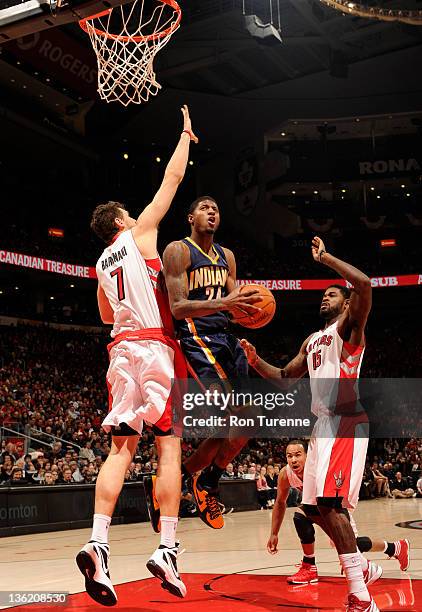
(329, 313)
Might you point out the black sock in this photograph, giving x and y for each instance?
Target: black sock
(210, 476)
(309, 560)
(390, 550)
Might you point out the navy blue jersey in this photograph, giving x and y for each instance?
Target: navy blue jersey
(207, 277)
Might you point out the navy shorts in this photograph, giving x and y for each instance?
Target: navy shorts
(215, 356)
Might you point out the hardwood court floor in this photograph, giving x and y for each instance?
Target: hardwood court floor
(227, 569)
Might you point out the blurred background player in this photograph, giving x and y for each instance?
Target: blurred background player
(201, 281)
(292, 476)
(337, 450)
(144, 358)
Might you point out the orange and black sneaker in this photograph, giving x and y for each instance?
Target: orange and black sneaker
(207, 503)
(152, 502)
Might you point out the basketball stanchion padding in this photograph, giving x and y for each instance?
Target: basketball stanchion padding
(126, 40)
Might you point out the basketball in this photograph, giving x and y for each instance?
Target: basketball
(260, 318)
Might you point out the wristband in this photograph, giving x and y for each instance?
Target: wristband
(321, 254)
(189, 132)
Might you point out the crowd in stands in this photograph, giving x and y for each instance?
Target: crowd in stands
(52, 388)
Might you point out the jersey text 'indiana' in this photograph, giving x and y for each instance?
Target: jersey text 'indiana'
(207, 276)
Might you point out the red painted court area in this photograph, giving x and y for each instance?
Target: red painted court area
(248, 593)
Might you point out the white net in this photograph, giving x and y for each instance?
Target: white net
(126, 40)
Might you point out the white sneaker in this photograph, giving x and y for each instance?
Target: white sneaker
(163, 565)
(372, 574)
(92, 561)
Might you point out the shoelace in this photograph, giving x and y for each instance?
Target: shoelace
(213, 506)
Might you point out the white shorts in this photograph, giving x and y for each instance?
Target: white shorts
(139, 379)
(336, 459)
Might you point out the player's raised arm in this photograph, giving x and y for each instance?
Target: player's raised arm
(279, 510)
(283, 377)
(151, 216)
(361, 299)
(176, 261)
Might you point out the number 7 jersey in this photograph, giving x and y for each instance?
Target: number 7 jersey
(133, 286)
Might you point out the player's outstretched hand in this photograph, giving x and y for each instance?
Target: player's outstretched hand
(250, 351)
(187, 124)
(272, 545)
(317, 248)
(243, 301)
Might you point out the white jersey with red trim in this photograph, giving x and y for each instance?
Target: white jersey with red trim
(293, 478)
(131, 286)
(330, 361)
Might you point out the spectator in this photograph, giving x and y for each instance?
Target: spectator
(66, 477)
(271, 479)
(86, 452)
(263, 489)
(49, 479)
(419, 487)
(228, 473)
(381, 482)
(17, 478)
(6, 469)
(400, 489)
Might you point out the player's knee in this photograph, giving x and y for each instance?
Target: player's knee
(310, 510)
(364, 544)
(304, 528)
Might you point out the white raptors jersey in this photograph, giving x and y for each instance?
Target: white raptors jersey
(130, 286)
(330, 361)
(293, 478)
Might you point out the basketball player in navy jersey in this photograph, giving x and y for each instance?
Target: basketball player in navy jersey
(201, 282)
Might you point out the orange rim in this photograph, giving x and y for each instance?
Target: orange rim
(156, 36)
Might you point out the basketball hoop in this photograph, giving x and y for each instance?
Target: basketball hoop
(126, 40)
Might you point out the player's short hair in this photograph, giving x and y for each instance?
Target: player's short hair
(102, 221)
(345, 291)
(197, 202)
(300, 443)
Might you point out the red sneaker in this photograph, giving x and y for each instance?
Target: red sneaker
(356, 605)
(306, 574)
(402, 554)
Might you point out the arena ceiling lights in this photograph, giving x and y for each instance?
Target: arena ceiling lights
(373, 12)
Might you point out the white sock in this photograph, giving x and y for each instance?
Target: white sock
(168, 530)
(363, 562)
(100, 528)
(351, 564)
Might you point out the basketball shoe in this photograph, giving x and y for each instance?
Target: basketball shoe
(372, 573)
(306, 574)
(92, 561)
(207, 503)
(163, 565)
(356, 605)
(152, 502)
(402, 553)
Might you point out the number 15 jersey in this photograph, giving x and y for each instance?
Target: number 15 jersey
(133, 286)
(331, 362)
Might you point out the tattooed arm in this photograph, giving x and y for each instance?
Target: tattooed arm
(176, 262)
